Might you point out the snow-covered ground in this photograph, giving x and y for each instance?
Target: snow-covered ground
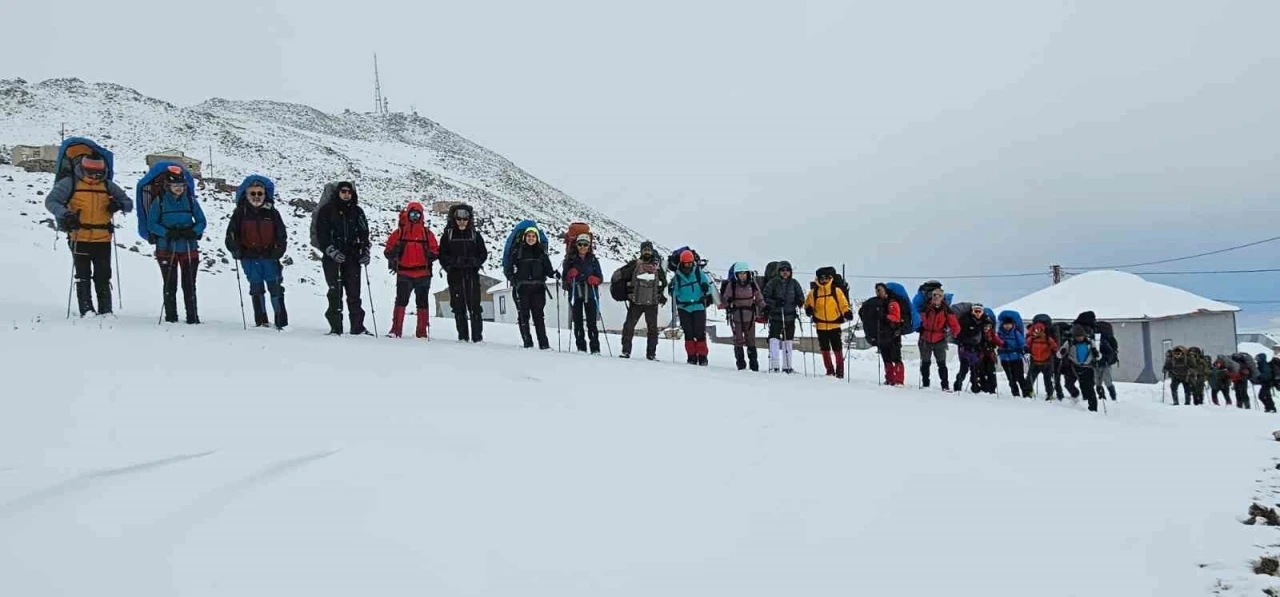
(147, 460)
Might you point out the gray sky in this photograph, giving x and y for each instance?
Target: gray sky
(935, 138)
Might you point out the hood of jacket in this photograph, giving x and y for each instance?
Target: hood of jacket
(452, 222)
(412, 206)
(266, 183)
(1012, 316)
(345, 184)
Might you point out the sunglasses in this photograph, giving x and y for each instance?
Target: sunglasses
(257, 194)
(584, 244)
(464, 219)
(344, 192)
(415, 215)
(824, 277)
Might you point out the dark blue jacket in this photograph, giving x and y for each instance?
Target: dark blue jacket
(586, 266)
(176, 213)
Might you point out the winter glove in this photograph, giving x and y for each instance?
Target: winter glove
(235, 255)
(364, 258)
(555, 274)
(573, 273)
(707, 301)
(593, 280)
(662, 301)
(71, 221)
(173, 234)
(335, 254)
(848, 315)
(393, 266)
(114, 206)
(808, 312)
(190, 234)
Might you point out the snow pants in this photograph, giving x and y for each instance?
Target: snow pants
(464, 300)
(1242, 393)
(782, 334)
(930, 351)
(585, 311)
(650, 314)
(1174, 384)
(343, 277)
(1087, 387)
(1044, 370)
(265, 276)
(92, 263)
(1102, 378)
(1224, 390)
(531, 303)
(1014, 374)
(1264, 396)
(174, 267)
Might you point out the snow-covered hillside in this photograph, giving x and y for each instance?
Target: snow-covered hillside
(393, 158)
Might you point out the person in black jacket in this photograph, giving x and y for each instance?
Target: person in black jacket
(783, 298)
(256, 237)
(343, 231)
(528, 271)
(462, 253)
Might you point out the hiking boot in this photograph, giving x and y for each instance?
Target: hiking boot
(335, 321)
(651, 357)
(739, 356)
(625, 355)
(397, 323)
(753, 361)
(259, 310)
(702, 360)
(1112, 391)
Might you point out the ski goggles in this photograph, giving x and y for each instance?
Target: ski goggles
(415, 216)
(462, 214)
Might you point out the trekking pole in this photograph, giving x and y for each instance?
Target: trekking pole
(671, 327)
(1163, 378)
(558, 330)
(72, 283)
(115, 250)
(240, 288)
(373, 309)
(604, 329)
(879, 381)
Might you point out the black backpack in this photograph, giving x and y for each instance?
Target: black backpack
(620, 281)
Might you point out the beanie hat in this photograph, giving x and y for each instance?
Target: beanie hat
(937, 292)
(583, 238)
(686, 256)
(648, 244)
(533, 229)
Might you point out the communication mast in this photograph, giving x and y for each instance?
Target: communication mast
(379, 102)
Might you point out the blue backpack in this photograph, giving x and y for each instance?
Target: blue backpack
(899, 293)
(65, 167)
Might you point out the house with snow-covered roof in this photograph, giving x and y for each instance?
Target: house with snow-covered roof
(1148, 318)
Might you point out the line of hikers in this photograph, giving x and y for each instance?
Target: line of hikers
(1191, 369)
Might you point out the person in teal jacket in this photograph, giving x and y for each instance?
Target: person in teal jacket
(691, 290)
(177, 223)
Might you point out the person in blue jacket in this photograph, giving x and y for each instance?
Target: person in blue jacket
(177, 223)
(1014, 338)
(691, 290)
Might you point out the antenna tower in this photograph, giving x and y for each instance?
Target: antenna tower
(379, 102)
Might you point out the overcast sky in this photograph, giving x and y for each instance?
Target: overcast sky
(900, 138)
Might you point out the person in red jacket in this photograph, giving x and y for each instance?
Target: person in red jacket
(411, 250)
(936, 319)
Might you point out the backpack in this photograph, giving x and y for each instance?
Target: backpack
(571, 236)
(620, 282)
(1246, 362)
(673, 260)
(150, 189)
(517, 235)
(329, 194)
(770, 272)
(76, 147)
(910, 317)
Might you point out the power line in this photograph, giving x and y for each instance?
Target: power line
(973, 277)
(1276, 302)
(1199, 273)
(1197, 255)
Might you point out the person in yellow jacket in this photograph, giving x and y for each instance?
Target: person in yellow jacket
(828, 308)
(83, 206)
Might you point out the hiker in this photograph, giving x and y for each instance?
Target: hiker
(83, 203)
(977, 341)
(343, 231)
(1197, 373)
(177, 222)
(582, 279)
(256, 237)
(1109, 349)
(742, 302)
(1268, 370)
(1218, 382)
(937, 320)
(1080, 354)
(887, 317)
(1013, 338)
(1064, 371)
(1241, 369)
(527, 272)
(411, 250)
(462, 253)
(691, 290)
(646, 291)
(1176, 368)
(828, 308)
(1042, 350)
(783, 298)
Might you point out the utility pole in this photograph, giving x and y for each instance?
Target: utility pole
(1057, 273)
(210, 161)
(64, 132)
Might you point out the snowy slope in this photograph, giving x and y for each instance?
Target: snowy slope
(154, 460)
(393, 158)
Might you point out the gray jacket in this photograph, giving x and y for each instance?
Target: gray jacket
(648, 283)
